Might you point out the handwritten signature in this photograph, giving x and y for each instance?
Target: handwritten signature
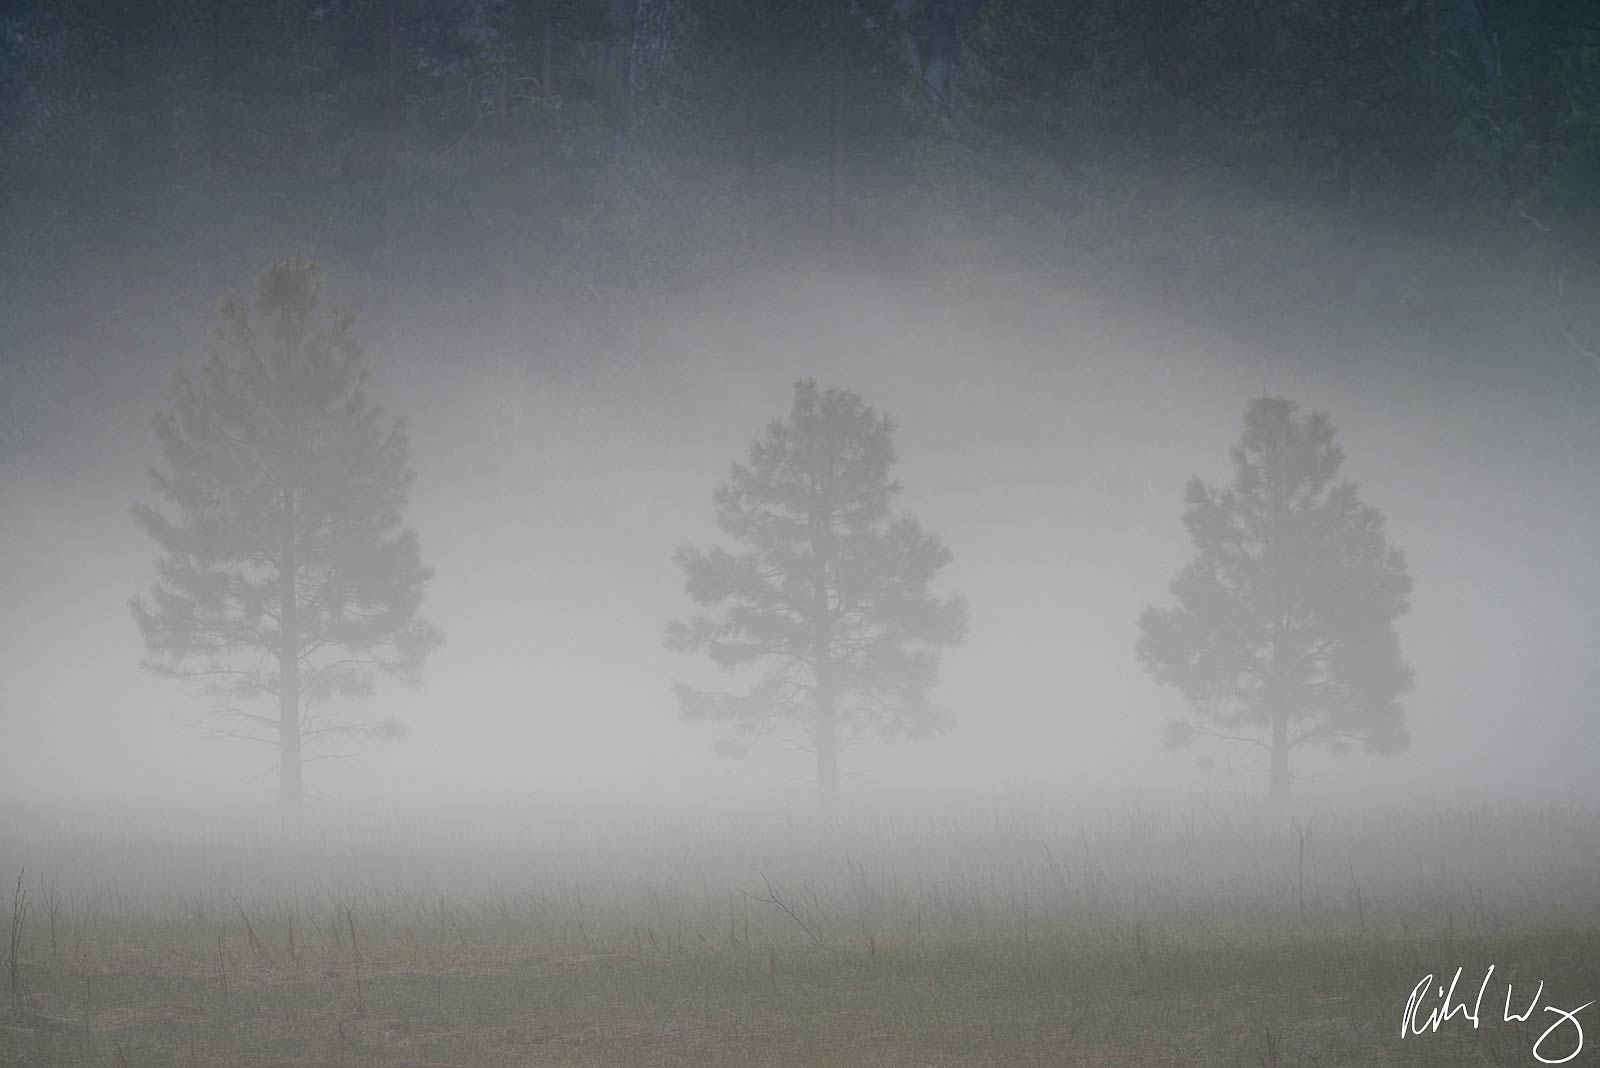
(1415, 1023)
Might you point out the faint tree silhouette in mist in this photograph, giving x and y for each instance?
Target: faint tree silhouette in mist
(1282, 634)
(286, 571)
(828, 598)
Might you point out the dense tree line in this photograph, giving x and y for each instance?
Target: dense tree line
(619, 139)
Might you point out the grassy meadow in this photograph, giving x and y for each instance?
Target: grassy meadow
(1196, 930)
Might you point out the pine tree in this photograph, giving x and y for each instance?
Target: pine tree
(1283, 631)
(829, 596)
(286, 571)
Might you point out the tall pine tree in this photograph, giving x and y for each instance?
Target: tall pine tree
(1283, 631)
(286, 570)
(828, 598)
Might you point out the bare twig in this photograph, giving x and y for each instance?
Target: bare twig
(222, 970)
(249, 928)
(1304, 834)
(1541, 227)
(51, 896)
(355, 952)
(1578, 346)
(19, 918)
(772, 898)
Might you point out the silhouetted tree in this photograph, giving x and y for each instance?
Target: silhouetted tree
(829, 595)
(1283, 632)
(286, 570)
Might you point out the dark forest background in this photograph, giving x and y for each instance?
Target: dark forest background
(1292, 168)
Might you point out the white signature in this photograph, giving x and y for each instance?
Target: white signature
(1415, 1023)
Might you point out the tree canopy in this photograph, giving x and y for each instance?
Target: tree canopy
(1282, 634)
(286, 569)
(827, 597)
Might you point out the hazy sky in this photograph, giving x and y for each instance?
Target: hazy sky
(1043, 433)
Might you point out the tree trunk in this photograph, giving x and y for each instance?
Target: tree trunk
(289, 788)
(214, 103)
(617, 74)
(392, 91)
(827, 733)
(1432, 8)
(547, 73)
(391, 132)
(289, 784)
(835, 131)
(1344, 115)
(1278, 785)
(827, 751)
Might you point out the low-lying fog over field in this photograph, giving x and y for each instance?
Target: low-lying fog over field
(832, 532)
(1045, 438)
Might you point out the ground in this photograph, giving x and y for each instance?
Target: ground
(1023, 942)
